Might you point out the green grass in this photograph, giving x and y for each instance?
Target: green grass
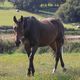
(14, 67)
(6, 16)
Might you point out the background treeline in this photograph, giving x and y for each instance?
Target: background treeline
(67, 10)
(36, 4)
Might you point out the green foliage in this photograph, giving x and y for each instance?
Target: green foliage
(6, 5)
(69, 11)
(33, 5)
(7, 46)
(69, 47)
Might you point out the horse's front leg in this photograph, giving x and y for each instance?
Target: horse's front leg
(31, 52)
(28, 50)
(31, 69)
(31, 58)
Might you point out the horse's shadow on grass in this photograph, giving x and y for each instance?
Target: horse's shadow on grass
(3, 74)
(70, 74)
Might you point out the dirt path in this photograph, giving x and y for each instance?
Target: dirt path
(7, 37)
(11, 37)
(72, 38)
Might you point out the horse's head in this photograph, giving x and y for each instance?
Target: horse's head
(22, 28)
(18, 28)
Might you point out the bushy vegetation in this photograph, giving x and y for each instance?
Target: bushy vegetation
(10, 48)
(7, 46)
(6, 5)
(70, 11)
(71, 47)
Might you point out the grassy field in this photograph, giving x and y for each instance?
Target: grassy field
(7, 12)
(6, 17)
(14, 67)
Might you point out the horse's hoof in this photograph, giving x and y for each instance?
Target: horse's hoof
(32, 74)
(54, 70)
(64, 69)
(33, 71)
(29, 74)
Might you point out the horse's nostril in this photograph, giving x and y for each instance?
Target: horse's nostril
(17, 43)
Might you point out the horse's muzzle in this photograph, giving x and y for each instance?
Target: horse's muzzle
(17, 43)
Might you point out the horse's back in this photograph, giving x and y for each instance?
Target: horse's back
(51, 30)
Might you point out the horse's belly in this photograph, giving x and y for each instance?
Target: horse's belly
(47, 39)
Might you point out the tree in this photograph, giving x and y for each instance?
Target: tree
(69, 11)
(21, 4)
(34, 5)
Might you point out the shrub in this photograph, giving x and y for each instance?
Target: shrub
(69, 11)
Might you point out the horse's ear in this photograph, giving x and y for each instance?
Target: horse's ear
(21, 18)
(14, 19)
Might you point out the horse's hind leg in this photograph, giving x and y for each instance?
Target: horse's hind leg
(57, 47)
(61, 60)
(57, 54)
(28, 50)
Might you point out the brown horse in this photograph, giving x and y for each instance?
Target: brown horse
(34, 33)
